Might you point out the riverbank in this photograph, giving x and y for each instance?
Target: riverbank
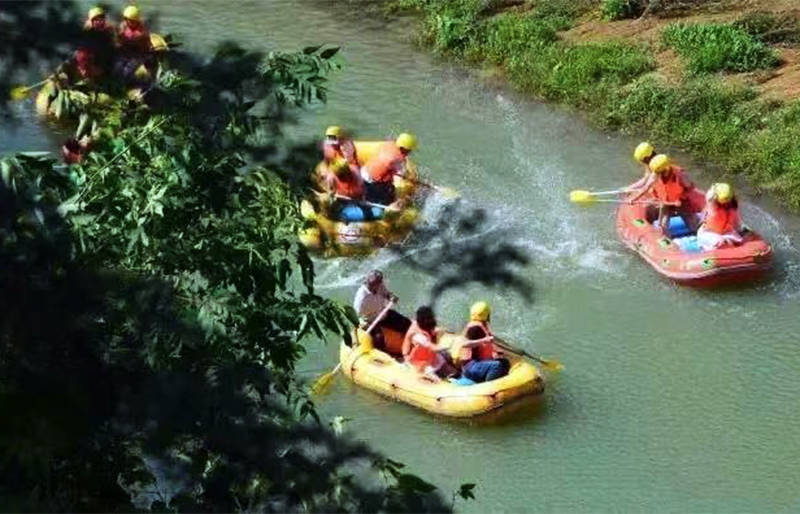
(721, 83)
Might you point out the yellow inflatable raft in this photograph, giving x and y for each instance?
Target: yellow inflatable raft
(334, 238)
(382, 373)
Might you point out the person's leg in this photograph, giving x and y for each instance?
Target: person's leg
(499, 368)
(476, 370)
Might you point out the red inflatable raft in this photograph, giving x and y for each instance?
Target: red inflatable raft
(680, 259)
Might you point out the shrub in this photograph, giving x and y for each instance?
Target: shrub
(622, 9)
(711, 47)
(509, 34)
(769, 28)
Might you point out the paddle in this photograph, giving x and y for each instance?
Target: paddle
(323, 383)
(551, 364)
(583, 199)
(21, 92)
(362, 202)
(447, 192)
(580, 196)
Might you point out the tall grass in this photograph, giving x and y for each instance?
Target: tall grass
(708, 48)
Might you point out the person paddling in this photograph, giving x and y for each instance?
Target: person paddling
(390, 160)
(481, 361)
(643, 154)
(420, 348)
(722, 225)
(370, 300)
(670, 187)
(133, 36)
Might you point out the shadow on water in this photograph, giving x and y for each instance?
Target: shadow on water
(460, 246)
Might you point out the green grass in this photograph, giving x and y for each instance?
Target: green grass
(722, 123)
(709, 48)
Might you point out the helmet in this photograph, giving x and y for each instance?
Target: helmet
(480, 311)
(132, 13)
(406, 141)
(723, 192)
(96, 11)
(339, 167)
(643, 151)
(660, 163)
(333, 131)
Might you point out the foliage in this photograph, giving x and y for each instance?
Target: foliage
(716, 47)
(622, 9)
(155, 300)
(770, 28)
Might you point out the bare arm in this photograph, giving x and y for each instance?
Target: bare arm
(648, 184)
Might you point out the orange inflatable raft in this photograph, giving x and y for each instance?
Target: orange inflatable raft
(680, 258)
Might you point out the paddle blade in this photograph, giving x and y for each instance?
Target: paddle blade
(580, 196)
(323, 383)
(19, 93)
(552, 365)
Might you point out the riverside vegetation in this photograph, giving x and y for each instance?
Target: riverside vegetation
(616, 82)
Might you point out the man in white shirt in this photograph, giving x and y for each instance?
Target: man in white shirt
(371, 298)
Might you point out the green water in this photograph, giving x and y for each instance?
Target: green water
(672, 400)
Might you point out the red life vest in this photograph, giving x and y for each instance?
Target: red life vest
(722, 219)
(350, 186)
(385, 163)
(483, 351)
(672, 189)
(420, 355)
(134, 36)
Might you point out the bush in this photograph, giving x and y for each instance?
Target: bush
(622, 9)
(509, 34)
(769, 28)
(710, 48)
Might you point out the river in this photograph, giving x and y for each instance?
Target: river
(672, 399)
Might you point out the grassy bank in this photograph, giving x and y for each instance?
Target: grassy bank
(619, 83)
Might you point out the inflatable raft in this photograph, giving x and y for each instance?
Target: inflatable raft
(679, 257)
(350, 235)
(388, 376)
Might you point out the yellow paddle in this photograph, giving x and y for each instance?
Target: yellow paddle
(21, 92)
(446, 192)
(586, 197)
(322, 385)
(548, 364)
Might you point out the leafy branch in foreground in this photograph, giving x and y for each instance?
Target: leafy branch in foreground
(154, 301)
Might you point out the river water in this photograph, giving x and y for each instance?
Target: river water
(672, 399)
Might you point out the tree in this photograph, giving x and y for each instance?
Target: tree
(154, 303)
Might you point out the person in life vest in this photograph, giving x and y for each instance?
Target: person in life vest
(670, 187)
(86, 66)
(346, 189)
(722, 225)
(99, 38)
(390, 160)
(133, 36)
(643, 153)
(338, 145)
(480, 361)
(420, 349)
(371, 298)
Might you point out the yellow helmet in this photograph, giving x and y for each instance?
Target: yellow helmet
(339, 167)
(723, 192)
(480, 311)
(643, 151)
(132, 13)
(406, 141)
(96, 11)
(333, 131)
(660, 163)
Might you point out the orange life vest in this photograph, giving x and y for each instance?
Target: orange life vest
(134, 36)
(722, 219)
(483, 351)
(420, 355)
(352, 186)
(672, 189)
(382, 167)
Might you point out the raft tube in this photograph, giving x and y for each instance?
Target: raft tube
(695, 267)
(334, 238)
(380, 372)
